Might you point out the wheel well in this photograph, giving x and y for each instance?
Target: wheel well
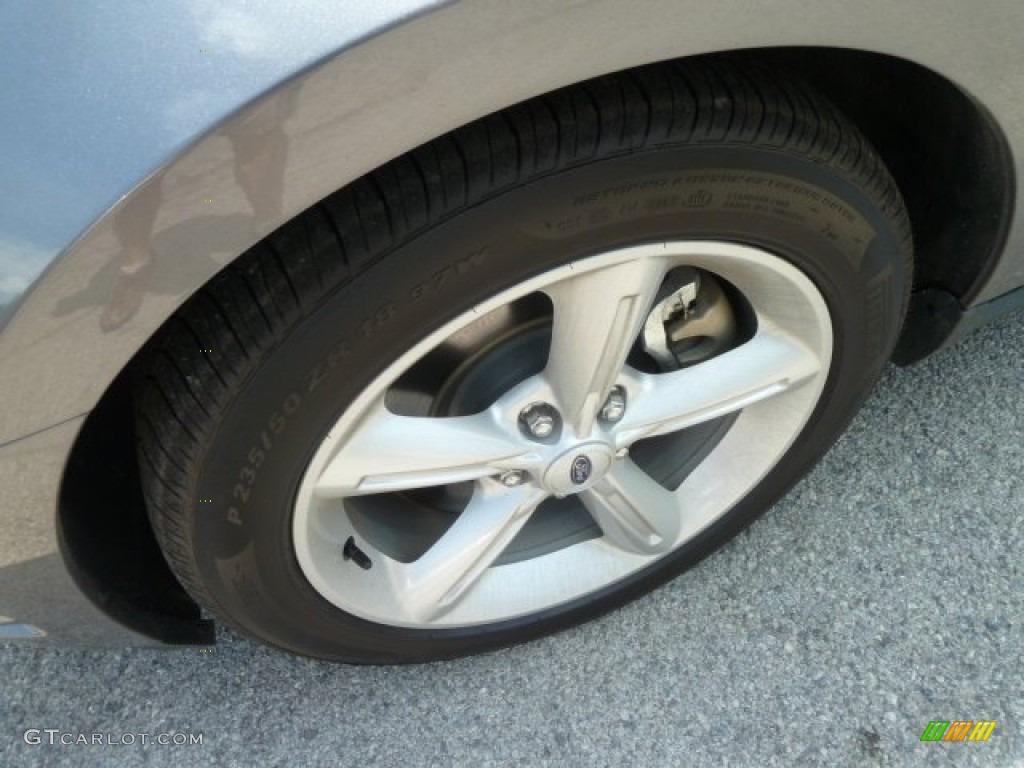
(925, 129)
(104, 533)
(953, 167)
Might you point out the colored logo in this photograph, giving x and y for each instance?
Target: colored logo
(958, 730)
(581, 468)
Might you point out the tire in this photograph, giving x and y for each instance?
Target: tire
(291, 501)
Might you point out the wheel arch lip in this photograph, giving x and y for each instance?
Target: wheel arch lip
(447, 66)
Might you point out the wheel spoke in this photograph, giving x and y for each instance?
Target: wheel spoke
(597, 317)
(769, 364)
(634, 512)
(393, 453)
(433, 584)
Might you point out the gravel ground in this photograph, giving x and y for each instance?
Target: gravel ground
(886, 591)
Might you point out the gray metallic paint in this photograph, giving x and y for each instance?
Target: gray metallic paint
(114, 104)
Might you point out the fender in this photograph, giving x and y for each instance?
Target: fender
(342, 92)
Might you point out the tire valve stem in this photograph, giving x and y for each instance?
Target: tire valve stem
(352, 552)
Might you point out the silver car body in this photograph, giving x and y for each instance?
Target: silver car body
(108, 103)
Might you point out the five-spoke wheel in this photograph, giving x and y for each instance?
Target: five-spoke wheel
(564, 431)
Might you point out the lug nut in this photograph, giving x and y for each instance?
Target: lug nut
(614, 407)
(539, 420)
(512, 478)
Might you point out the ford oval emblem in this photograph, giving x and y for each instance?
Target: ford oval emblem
(581, 469)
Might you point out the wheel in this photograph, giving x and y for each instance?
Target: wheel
(529, 371)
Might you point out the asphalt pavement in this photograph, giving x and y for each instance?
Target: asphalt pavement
(886, 592)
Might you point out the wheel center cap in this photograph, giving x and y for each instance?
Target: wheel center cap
(578, 468)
